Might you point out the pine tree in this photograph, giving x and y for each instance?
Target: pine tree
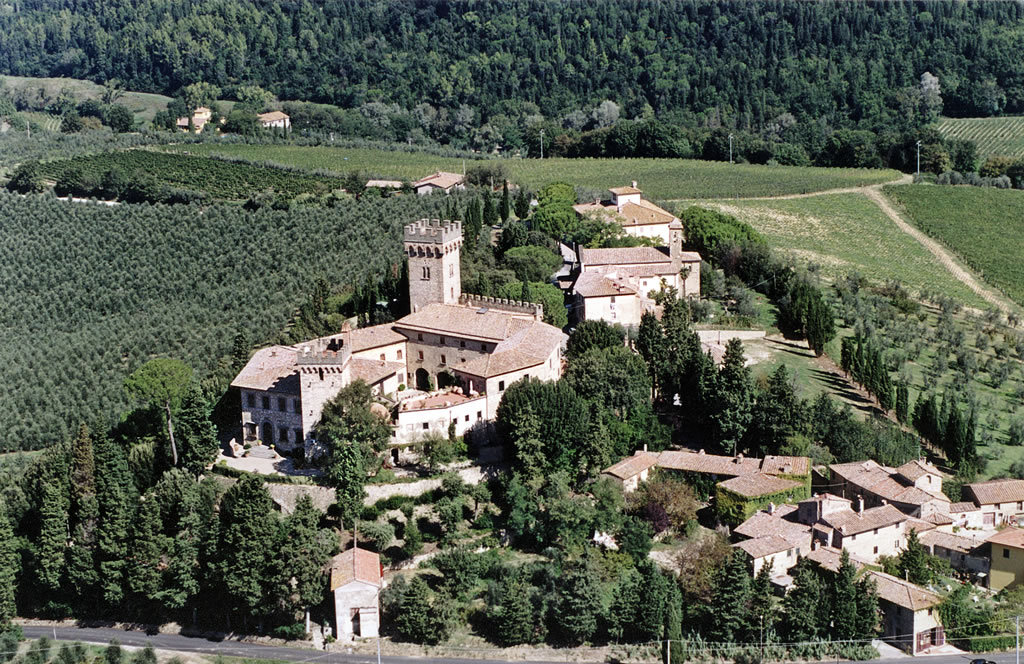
(522, 205)
(196, 433)
(9, 570)
(650, 343)
(115, 493)
(515, 620)
(81, 563)
(181, 583)
(505, 208)
(53, 535)
(627, 602)
(847, 350)
(731, 597)
(954, 439)
(415, 620)
(247, 538)
(239, 352)
(844, 599)
(735, 397)
(577, 606)
(802, 604)
(820, 323)
(867, 609)
(412, 542)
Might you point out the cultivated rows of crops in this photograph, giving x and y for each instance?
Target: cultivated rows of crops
(658, 178)
(218, 178)
(984, 226)
(1002, 136)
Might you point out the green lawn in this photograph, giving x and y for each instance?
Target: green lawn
(984, 226)
(1003, 136)
(660, 179)
(841, 233)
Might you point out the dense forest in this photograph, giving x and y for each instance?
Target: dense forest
(741, 64)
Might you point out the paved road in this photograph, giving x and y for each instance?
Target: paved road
(103, 635)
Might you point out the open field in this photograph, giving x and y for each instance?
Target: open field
(984, 226)
(143, 104)
(1004, 136)
(659, 178)
(842, 233)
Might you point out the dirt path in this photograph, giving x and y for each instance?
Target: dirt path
(903, 179)
(937, 250)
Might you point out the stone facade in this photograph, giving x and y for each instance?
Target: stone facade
(432, 247)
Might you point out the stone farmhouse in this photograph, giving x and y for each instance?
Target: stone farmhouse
(616, 285)
(356, 581)
(471, 347)
(915, 487)
(996, 502)
(274, 120)
(441, 182)
(200, 117)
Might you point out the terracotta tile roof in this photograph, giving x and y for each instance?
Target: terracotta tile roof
(270, 368)
(997, 491)
(271, 116)
(961, 507)
(355, 565)
(758, 484)
(374, 371)
(882, 481)
(849, 522)
(903, 593)
(625, 191)
(920, 525)
(644, 213)
(441, 179)
(365, 338)
(861, 473)
(623, 256)
(760, 547)
(709, 463)
(829, 558)
(467, 322)
(631, 466)
(659, 269)
(938, 519)
(1012, 537)
(785, 465)
(948, 541)
(764, 524)
(595, 284)
(530, 346)
(917, 468)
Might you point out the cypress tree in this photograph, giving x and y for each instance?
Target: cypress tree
(867, 609)
(844, 599)
(415, 620)
(505, 208)
(81, 562)
(762, 613)
(577, 605)
(181, 583)
(51, 548)
(146, 547)
(489, 214)
(115, 492)
(846, 347)
(515, 620)
(803, 604)
(247, 539)
(113, 653)
(302, 555)
(914, 561)
(522, 204)
(954, 440)
(821, 326)
(902, 402)
(412, 539)
(730, 597)
(239, 351)
(735, 397)
(9, 570)
(196, 432)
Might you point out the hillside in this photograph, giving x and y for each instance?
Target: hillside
(92, 291)
(144, 105)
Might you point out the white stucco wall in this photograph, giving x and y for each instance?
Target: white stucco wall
(356, 595)
(889, 541)
(410, 426)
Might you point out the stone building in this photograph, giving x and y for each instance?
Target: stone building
(356, 582)
(470, 348)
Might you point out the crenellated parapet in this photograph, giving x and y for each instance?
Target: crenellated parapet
(503, 304)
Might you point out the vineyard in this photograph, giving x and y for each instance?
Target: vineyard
(1002, 136)
(659, 178)
(219, 179)
(91, 292)
(984, 226)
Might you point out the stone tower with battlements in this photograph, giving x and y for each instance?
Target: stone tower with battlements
(432, 247)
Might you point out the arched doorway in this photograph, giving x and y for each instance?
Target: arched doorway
(268, 433)
(447, 379)
(422, 380)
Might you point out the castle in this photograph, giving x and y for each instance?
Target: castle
(470, 347)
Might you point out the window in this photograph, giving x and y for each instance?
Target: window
(876, 549)
(421, 356)
(1006, 553)
(467, 418)
(483, 347)
(613, 299)
(296, 405)
(284, 435)
(266, 403)
(789, 553)
(382, 357)
(399, 354)
(426, 426)
(252, 399)
(444, 360)
(451, 269)
(501, 386)
(479, 415)
(426, 273)
(876, 531)
(441, 340)
(282, 404)
(298, 435)
(929, 610)
(462, 343)
(419, 336)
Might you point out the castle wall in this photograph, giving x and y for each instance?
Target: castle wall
(432, 247)
(318, 385)
(281, 411)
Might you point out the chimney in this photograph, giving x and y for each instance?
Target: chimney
(860, 505)
(634, 184)
(645, 447)
(771, 508)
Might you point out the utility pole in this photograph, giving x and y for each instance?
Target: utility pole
(730, 148)
(1017, 639)
(919, 159)
(541, 143)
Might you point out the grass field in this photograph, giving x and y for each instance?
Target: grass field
(1004, 136)
(842, 233)
(982, 225)
(660, 179)
(143, 104)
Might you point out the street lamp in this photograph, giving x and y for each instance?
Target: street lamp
(919, 159)
(730, 148)
(541, 143)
